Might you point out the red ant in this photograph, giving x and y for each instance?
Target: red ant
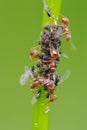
(65, 22)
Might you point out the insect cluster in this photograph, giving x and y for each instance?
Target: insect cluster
(44, 74)
(48, 57)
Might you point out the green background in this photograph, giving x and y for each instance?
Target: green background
(20, 25)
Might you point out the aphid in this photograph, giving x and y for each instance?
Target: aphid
(45, 49)
(52, 70)
(59, 31)
(47, 27)
(41, 80)
(47, 9)
(57, 44)
(36, 97)
(44, 57)
(45, 67)
(50, 86)
(39, 63)
(50, 76)
(47, 81)
(28, 73)
(52, 65)
(57, 80)
(45, 38)
(33, 53)
(33, 68)
(45, 87)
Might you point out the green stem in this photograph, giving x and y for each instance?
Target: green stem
(41, 108)
(41, 113)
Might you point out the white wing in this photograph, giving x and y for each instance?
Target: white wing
(34, 99)
(28, 73)
(65, 76)
(23, 79)
(73, 47)
(65, 55)
(26, 68)
(59, 32)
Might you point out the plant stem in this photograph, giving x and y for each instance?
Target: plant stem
(40, 113)
(41, 108)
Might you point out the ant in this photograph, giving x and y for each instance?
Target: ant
(33, 53)
(65, 21)
(54, 53)
(34, 84)
(51, 97)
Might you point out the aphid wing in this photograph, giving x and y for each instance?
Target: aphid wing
(26, 68)
(73, 47)
(28, 71)
(23, 79)
(65, 55)
(65, 76)
(59, 32)
(34, 99)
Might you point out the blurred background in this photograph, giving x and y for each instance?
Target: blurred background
(20, 25)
